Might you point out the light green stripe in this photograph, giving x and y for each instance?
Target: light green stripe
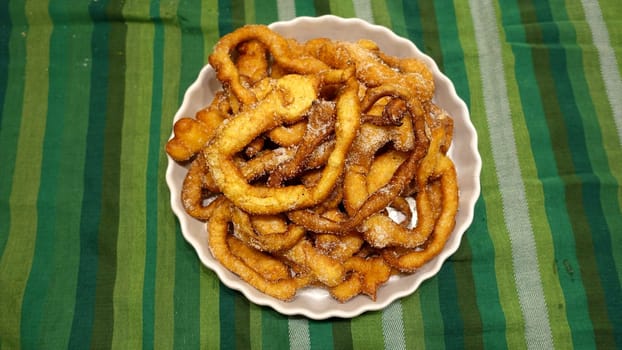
(393, 326)
(255, 326)
(494, 209)
(607, 59)
(363, 10)
(413, 321)
(131, 241)
(342, 8)
(612, 11)
(16, 261)
(249, 11)
(210, 309)
(286, 9)
(299, 337)
(164, 327)
(478, 113)
(367, 331)
(381, 15)
(209, 11)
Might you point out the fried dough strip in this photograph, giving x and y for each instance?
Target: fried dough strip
(381, 231)
(298, 91)
(190, 135)
(327, 270)
(367, 275)
(218, 228)
(268, 242)
(320, 125)
(197, 189)
(381, 198)
(266, 265)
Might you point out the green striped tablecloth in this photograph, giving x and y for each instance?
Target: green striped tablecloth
(91, 254)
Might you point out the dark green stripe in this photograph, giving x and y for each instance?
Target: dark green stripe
(227, 318)
(241, 317)
(342, 334)
(266, 12)
(398, 19)
(452, 320)
(560, 135)
(187, 284)
(470, 321)
(305, 8)
(432, 319)
(238, 14)
(153, 165)
(90, 219)
(493, 321)
(5, 35)
(13, 70)
(431, 29)
(275, 330)
(109, 223)
(414, 28)
(186, 295)
(321, 334)
(224, 17)
(322, 7)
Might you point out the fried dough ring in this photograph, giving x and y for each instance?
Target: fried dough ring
(278, 46)
(411, 260)
(252, 62)
(266, 265)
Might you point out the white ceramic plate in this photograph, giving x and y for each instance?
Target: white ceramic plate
(313, 302)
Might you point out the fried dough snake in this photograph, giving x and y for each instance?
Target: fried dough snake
(318, 164)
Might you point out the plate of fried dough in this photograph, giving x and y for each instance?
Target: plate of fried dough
(322, 166)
